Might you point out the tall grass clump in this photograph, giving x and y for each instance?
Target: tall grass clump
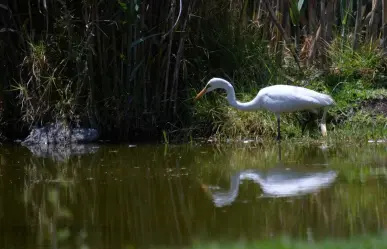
(357, 81)
(44, 92)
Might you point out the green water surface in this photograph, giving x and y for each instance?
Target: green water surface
(146, 196)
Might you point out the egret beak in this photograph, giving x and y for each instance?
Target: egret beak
(202, 92)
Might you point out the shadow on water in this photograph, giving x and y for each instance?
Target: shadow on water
(144, 196)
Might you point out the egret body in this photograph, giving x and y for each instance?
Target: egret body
(277, 99)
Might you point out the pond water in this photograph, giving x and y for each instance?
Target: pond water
(123, 196)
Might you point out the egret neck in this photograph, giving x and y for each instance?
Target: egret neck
(231, 98)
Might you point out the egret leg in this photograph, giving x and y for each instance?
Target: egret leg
(278, 128)
(323, 126)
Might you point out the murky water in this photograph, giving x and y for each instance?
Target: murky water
(153, 195)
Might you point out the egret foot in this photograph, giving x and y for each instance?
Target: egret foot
(323, 130)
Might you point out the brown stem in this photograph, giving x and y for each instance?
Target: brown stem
(281, 29)
(384, 23)
(312, 51)
(323, 23)
(168, 65)
(357, 25)
(373, 22)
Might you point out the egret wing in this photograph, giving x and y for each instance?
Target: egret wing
(284, 98)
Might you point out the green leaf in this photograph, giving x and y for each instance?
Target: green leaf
(300, 3)
(53, 196)
(123, 5)
(63, 234)
(294, 12)
(142, 39)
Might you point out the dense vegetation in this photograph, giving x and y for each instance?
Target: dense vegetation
(116, 66)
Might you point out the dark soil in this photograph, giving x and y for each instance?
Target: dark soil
(376, 106)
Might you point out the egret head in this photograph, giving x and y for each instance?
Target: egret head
(211, 85)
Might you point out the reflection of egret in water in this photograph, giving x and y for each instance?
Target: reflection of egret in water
(279, 181)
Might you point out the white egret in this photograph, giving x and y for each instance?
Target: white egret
(277, 99)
